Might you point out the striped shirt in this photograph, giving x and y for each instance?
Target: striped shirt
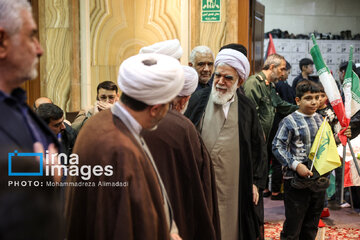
(293, 140)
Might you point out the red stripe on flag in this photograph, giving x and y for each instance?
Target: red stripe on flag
(339, 110)
(271, 46)
(347, 176)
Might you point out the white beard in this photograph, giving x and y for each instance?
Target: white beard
(182, 111)
(222, 98)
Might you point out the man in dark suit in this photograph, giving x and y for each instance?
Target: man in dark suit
(22, 131)
(20, 50)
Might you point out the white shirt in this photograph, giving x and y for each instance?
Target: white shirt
(226, 106)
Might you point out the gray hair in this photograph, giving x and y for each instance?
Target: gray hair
(10, 11)
(274, 59)
(199, 49)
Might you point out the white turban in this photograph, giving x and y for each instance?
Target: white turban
(171, 48)
(151, 78)
(191, 81)
(236, 60)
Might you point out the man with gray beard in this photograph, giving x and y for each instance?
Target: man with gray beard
(229, 126)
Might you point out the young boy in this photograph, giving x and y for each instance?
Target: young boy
(326, 110)
(291, 146)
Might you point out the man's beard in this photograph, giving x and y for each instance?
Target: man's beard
(222, 98)
(182, 111)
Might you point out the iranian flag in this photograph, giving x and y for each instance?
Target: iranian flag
(330, 88)
(351, 176)
(271, 47)
(351, 89)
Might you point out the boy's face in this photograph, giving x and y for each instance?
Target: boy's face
(309, 103)
(322, 100)
(309, 69)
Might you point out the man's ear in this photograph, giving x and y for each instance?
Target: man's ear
(183, 101)
(240, 82)
(271, 67)
(153, 110)
(297, 100)
(4, 43)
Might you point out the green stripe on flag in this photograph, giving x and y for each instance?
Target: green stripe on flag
(317, 57)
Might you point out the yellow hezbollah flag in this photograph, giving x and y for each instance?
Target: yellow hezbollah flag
(324, 146)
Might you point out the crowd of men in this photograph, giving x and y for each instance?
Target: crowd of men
(181, 153)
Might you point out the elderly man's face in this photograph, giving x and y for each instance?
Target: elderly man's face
(278, 72)
(204, 66)
(24, 50)
(226, 81)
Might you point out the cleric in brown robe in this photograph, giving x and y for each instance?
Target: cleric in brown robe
(111, 140)
(186, 169)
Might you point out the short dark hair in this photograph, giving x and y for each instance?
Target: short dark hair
(306, 86)
(133, 103)
(235, 46)
(343, 66)
(288, 65)
(108, 85)
(321, 87)
(49, 111)
(305, 62)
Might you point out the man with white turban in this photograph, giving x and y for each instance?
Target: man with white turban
(185, 166)
(111, 144)
(171, 48)
(229, 126)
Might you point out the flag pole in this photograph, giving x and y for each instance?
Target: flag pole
(317, 148)
(354, 158)
(343, 175)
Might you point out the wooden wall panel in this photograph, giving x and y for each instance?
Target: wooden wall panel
(59, 66)
(120, 28)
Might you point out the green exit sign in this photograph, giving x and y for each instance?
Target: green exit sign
(210, 11)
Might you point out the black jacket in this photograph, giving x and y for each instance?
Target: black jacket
(253, 161)
(14, 133)
(355, 125)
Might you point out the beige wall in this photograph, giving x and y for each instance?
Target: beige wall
(116, 30)
(59, 66)
(305, 16)
(119, 28)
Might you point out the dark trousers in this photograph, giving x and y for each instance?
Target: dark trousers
(259, 210)
(302, 212)
(338, 177)
(276, 176)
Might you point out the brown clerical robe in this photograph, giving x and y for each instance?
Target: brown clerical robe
(135, 211)
(187, 172)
